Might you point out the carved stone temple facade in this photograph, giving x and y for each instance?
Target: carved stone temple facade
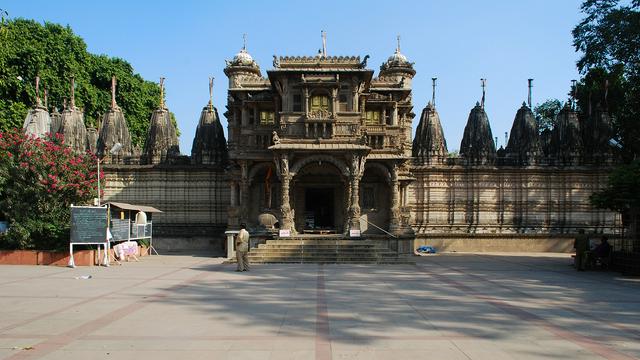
(323, 145)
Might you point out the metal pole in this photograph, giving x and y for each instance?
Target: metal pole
(433, 93)
(98, 181)
(530, 86)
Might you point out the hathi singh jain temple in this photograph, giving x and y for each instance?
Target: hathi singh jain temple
(322, 145)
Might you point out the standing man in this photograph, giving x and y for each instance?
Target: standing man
(242, 248)
(582, 246)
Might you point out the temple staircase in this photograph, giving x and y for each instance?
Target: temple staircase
(324, 249)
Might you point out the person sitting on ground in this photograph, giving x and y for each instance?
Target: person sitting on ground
(601, 252)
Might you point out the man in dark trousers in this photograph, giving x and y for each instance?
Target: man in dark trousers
(582, 246)
(242, 249)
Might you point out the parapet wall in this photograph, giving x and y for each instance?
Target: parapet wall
(194, 201)
(506, 203)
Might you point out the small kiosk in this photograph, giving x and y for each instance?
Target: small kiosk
(130, 222)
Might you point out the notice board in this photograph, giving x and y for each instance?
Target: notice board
(88, 224)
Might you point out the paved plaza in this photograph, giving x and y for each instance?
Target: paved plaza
(448, 306)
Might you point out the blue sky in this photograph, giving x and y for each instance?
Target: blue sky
(458, 42)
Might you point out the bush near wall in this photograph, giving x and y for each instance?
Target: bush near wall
(39, 180)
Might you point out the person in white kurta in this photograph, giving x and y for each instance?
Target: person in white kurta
(242, 249)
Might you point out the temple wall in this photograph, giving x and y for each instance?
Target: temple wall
(452, 207)
(506, 209)
(194, 202)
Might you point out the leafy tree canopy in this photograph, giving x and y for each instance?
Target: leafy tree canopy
(609, 40)
(546, 113)
(53, 52)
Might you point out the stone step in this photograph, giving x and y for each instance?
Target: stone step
(334, 249)
(319, 247)
(319, 242)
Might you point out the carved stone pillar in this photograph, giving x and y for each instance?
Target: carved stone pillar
(233, 221)
(334, 103)
(244, 192)
(357, 169)
(234, 194)
(394, 115)
(354, 209)
(244, 115)
(394, 221)
(306, 101)
(354, 101)
(287, 214)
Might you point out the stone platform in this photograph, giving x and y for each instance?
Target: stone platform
(447, 306)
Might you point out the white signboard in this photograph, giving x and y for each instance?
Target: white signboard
(285, 233)
(354, 233)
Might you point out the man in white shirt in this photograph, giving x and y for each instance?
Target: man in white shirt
(242, 248)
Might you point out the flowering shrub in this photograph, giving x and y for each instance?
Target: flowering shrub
(39, 180)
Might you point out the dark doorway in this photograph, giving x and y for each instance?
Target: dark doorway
(318, 212)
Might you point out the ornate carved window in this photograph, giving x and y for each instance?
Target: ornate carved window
(372, 118)
(267, 118)
(319, 103)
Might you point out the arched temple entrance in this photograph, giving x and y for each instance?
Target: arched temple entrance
(319, 198)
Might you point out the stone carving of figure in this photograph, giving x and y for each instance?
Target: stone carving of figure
(284, 167)
(275, 138)
(363, 64)
(276, 62)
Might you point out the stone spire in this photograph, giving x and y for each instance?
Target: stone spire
(524, 143)
(566, 147)
(56, 121)
(209, 144)
(429, 145)
(38, 121)
(596, 134)
(114, 130)
(161, 144)
(72, 126)
(477, 145)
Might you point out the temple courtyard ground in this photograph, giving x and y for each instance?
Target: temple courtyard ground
(447, 306)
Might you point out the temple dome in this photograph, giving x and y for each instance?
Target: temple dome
(243, 58)
(397, 59)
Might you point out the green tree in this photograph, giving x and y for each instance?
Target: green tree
(609, 40)
(546, 113)
(55, 53)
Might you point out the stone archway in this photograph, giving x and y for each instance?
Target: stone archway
(375, 198)
(263, 193)
(318, 195)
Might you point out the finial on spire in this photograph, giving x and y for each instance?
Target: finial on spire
(483, 83)
(211, 93)
(161, 93)
(324, 43)
(113, 93)
(73, 95)
(38, 102)
(244, 41)
(529, 96)
(398, 46)
(506, 138)
(433, 93)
